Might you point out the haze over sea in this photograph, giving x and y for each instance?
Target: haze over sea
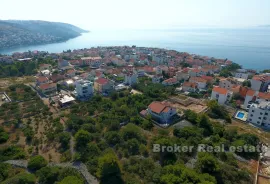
(249, 47)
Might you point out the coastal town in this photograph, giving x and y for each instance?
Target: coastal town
(103, 70)
(179, 83)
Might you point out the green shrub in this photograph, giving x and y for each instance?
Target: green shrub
(37, 162)
(22, 178)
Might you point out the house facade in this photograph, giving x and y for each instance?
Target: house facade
(189, 87)
(103, 85)
(170, 82)
(131, 78)
(255, 97)
(259, 114)
(260, 82)
(161, 112)
(42, 80)
(48, 88)
(182, 75)
(92, 61)
(227, 83)
(222, 95)
(201, 83)
(84, 88)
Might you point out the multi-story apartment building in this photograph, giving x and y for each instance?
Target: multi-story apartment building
(84, 88)
(259, 114)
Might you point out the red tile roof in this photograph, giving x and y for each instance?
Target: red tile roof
(44, 65)
(158, 107)
(250, 92)
(220, 90)
(196, 70)
(171, 80)
(70, 71)
(265, 96)
(262, 78)
(102, 81)
(190, 84)
(46, 86)
(42, 79)
(208, 78)
(197, 79)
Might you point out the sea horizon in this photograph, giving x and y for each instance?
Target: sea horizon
(249, 47)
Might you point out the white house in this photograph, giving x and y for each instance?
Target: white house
(226, 83)
(160, 111)
(92, 61)
(222, 95)
(260, 82)
(189, 87)
(201, 83)
(84, 88)
(48, 88)
(250, 96)
(131, 78)
(241, 73)
(255, 96)
(63, 63)
(170, 82)
(259, 114)
(182, 74)
(195, 72)
(42, 80)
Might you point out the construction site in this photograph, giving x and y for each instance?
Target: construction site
(181, 103)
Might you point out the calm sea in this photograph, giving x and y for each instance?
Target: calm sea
(248, 47)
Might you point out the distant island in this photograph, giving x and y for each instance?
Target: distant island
(15, 33)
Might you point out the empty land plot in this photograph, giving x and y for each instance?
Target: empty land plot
(187, 103)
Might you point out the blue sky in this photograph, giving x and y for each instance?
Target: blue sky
(119, 14)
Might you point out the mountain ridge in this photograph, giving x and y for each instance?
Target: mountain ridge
(15, 33)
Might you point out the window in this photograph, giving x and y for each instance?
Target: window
(260, 117)
(251, 115)
(265, 118)
(266, 113)
(250, 119)
(261, 113)
(258, 122)
(252, 111)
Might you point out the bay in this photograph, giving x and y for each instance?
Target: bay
(249, 47)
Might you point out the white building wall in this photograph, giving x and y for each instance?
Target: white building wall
(255, 85)
(201, 85)
(131, 79)
(225, 84)
(241, 75)
(219, 97)
(84, 89)
(247, 99)
(259, 116)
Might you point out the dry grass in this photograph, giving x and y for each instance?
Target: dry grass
(246, 128)
(262, 180)
(5, 82)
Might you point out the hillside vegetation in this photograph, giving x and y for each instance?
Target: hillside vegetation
(20, 33)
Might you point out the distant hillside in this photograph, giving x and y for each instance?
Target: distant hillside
(20, 33)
